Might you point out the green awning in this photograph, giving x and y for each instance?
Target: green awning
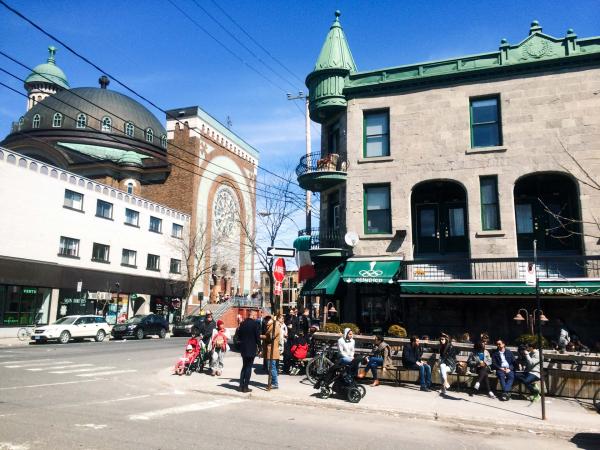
(564, 288)
(308, 288)
(371, 270)
(330, 283)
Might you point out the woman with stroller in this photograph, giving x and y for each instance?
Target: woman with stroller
(480, 362)
(380, 357)
(218, 347)
(447, 360)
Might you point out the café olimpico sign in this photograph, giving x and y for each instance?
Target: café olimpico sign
(569, 290)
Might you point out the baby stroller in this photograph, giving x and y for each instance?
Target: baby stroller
(339, 379)
(299, 352)
(182, 366)
(197, 365)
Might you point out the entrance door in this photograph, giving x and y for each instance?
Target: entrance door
(428, 230)
(454, 233)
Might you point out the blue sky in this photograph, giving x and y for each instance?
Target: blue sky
(156, 50)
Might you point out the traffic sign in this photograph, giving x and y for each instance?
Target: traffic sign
(278, 289)
(283, 252)
(279, 269)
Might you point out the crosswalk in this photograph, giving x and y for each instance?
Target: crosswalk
(61, 367)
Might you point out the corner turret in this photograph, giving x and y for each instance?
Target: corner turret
(45, 79)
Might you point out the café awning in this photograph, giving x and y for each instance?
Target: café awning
(562, 288)
(329, 284)
(375, 270)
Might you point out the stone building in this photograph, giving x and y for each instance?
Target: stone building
(441, 175)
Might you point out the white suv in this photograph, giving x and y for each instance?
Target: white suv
(73, 327)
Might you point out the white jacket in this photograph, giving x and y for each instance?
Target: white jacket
(346, 347)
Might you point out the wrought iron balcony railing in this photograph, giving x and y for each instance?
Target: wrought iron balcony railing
(324, 237)
(317, 162)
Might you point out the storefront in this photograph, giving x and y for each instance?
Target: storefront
(169, 307)
(24, 305)
(71, 303)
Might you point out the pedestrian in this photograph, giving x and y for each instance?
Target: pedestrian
(529, 359)
(291, 321)
(207, 328)
(503, 362)
(479, 362)
(447, 360)
(283, 343)
(271, 349)
(218, 347)
(563, 335)
(249, 340)
(304, 322)
(380, 357)
(412, 356)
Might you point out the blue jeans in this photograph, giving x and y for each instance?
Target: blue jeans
(506, 379)
(527, 379)
(273, 367)
(373, 364)
(424, 374)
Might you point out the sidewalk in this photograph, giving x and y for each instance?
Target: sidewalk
(564, 416)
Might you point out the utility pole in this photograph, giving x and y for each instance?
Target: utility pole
(304, 97)
(537, 313)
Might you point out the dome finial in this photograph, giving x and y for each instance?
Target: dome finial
(337, 13)
(51, 54)
(104, 81)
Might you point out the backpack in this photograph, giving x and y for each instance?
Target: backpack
(219, 342)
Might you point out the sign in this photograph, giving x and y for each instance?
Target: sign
(530, 275)
(79, 286)
(283, 252)
(279, 269)
(277, 289)
(29, 291)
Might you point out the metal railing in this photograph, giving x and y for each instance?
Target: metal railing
(554, 267)
(317, 162)
(324, 237)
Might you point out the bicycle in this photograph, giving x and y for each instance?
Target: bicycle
(25, 332)
(320, 364)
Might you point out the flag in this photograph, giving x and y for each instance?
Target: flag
(306, 269)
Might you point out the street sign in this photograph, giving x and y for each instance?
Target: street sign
(282, 252)
(279, 269)
(79, 286)
(277, 290)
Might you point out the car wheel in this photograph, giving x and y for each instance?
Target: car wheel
(139, 334)
(100, 335)
(162, 333)
(64, 337)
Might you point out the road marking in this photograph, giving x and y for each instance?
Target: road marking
(90, 425)
(38, 364)
(38, 369)
(186, 408)
(113, 372)
(12, 388)
(83, 370)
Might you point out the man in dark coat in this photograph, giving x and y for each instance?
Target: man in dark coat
(249, 340)
(412, 356)
(503, 362)
(207, 328)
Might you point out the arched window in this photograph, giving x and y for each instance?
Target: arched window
(21, 122)
(149, 135)
(36, 121)
(81, 120)
(130, 188)
(163, 141)
(129, 129)
(106, 124)
(57, 120)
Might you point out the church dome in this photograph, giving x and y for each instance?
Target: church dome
(48, 72)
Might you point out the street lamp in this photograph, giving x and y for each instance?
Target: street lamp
(530, 318)
(326, 311)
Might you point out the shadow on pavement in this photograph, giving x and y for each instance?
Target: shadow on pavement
(589, 441)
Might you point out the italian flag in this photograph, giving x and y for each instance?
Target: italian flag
(306, 269)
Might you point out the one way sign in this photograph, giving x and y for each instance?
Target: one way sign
(281, 252)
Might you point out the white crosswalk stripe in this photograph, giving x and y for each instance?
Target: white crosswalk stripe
(113, 372)
(70, 366)
(186, 408)
(37, 364)
(87, 369)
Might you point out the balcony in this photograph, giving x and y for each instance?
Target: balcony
(318, 172)
(326, 242)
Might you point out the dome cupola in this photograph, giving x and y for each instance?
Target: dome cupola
(45, 79)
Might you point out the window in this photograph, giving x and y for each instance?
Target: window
(149, 135)
(175, 266)
(163, 141)
(490, 214)
(376, 134)
(106, 124)
(377, 209)
(132, 217)
(57, 120)
(333, 139)
(485, 122)
(21, 122)
(177, 231)
(130, 188)
(36, 121)
(153, 262)
(68, 247)
(100, 252)
(81, 121)
(155, 224)
(73, 200)
(104, 209)
(128, 258)
(129, 129)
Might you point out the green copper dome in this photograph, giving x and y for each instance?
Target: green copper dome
(335, 53)
(48, 72)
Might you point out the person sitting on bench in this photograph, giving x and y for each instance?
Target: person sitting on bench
(503, 362)
(529, 359)
(411, 359)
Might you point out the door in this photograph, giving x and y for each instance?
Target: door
(539, 222)
(79, 328)
(453, 229)
(428, 231)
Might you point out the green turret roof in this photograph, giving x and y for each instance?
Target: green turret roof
(48, 72)
(335, 53)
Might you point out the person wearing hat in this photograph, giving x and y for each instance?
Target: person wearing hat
(218, 346)
(447, 360)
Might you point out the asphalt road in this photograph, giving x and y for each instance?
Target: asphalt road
(108, 396)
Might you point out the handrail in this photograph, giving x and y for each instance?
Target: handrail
(321, 162)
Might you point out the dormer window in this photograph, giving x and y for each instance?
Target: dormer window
(106, 124)
(163, 141)
(36, 121)
(57, 120)
(21, 122)
(149, 135)
(81, 120)
(129, 129)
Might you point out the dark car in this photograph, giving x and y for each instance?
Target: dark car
(140, 326)
(187, 325)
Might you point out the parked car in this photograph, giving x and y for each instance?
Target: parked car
(73, 327)
(140, 326)
(187, 325)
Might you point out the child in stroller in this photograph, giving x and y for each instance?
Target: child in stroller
(188, 358)
(299, 352)
(339, 379)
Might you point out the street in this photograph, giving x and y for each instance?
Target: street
(110, 395)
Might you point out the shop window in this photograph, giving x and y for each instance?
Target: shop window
(129, 258)
(177, 231)
(24, 305)
(376, 134)
(155, 224)
(485, 122)
(153, 262)
(104, 209)
(175, 266)
(100, 253)
(490, 213)
(73, 200)
(132, 217)
(377, 209)
(69, 247)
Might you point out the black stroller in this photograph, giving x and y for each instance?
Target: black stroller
(339, 379)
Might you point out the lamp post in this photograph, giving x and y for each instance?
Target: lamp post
(530, 318)
(326, 311)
